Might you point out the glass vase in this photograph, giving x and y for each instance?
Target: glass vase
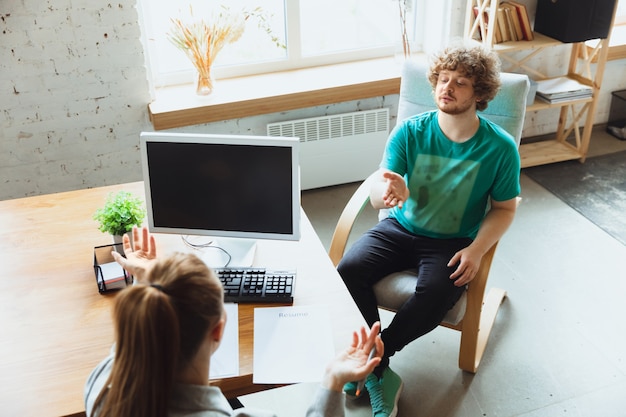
(205, 84)
(402, 50)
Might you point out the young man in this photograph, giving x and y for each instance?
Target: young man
(449, 179)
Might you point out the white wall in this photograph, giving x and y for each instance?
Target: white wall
(74, 95)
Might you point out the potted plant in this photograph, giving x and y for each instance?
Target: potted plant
(120, 213)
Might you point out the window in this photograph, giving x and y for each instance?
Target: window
(617, 49)
(313, 32)
(617, 43)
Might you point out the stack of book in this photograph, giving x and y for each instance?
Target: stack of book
(559, 89)
(512, 22)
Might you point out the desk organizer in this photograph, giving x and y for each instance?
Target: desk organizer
(110, 275)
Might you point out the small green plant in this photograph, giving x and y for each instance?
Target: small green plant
(120, 213)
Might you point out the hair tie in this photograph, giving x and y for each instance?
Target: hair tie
(157, 286)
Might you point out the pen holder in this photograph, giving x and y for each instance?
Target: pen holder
(110, 275)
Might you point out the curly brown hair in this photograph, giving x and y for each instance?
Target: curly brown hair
(479, 64)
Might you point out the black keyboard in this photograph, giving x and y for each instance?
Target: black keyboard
(256, 285)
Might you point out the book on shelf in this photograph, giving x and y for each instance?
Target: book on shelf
(497, 30)
(559, 89)
(509, 24)
(513, 20)
(562, 99)
(524, 20)
(503, 24)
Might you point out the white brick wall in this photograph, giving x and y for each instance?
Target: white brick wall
(73, 96)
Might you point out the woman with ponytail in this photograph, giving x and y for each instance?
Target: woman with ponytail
(168, 325)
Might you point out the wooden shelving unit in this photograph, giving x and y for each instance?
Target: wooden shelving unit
(586, 65)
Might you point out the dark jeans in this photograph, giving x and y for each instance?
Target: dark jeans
(387, 248)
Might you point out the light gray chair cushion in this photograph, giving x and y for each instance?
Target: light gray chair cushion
(393, 290)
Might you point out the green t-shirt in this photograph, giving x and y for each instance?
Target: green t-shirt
(450, 183)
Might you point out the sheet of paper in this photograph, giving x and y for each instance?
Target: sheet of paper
(291, 344)
(225, 360)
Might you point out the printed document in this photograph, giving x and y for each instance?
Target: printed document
(225, 360)
(291, 344)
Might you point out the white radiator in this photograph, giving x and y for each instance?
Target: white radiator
(337, 149)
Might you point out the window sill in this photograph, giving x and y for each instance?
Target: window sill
(617, 45)
(235, 98)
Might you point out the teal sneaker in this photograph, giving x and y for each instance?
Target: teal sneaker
(350, 390)
(384, 393)
(375, 390)
(392, 387)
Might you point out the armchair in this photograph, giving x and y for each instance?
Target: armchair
(474, 314)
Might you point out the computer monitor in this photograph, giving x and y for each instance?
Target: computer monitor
(235, 188)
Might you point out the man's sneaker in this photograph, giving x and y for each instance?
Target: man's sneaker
(392, 387)
(384, 393)
(375, 390)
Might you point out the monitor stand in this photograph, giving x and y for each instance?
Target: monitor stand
(215, 252)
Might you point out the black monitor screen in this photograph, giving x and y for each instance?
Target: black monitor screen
(222, 185)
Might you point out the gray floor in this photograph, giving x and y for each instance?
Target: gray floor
(558, 347)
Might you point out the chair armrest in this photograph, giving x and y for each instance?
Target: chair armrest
(476, 287)
(348, 216)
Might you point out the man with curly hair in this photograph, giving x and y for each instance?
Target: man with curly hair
(449, 179)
